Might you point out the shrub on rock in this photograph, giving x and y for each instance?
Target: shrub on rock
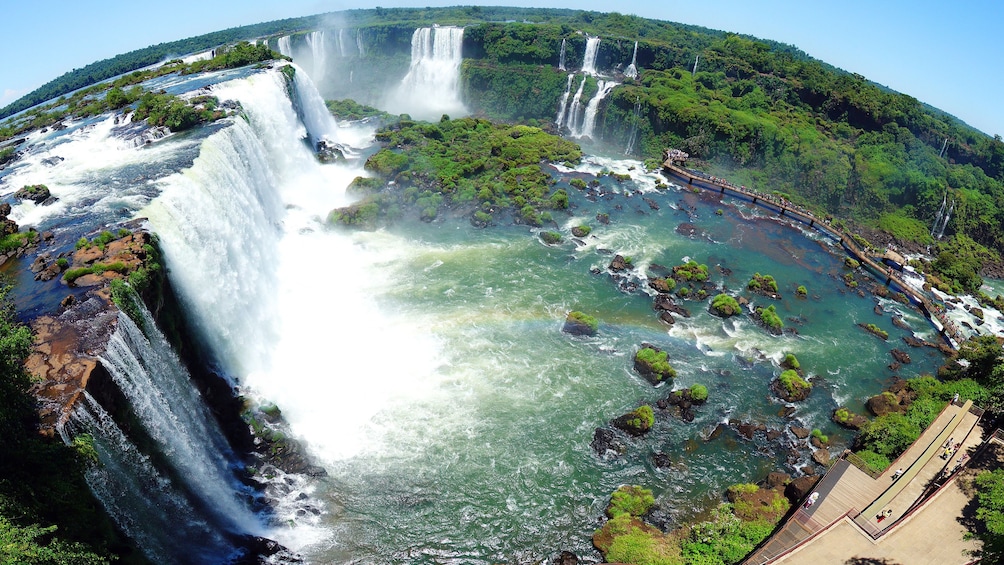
(632, 500)
(579, 323)
(651, 363)
(791, 387)
(636, 422)
(724, 306)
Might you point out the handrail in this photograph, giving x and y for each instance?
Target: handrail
(930, 310)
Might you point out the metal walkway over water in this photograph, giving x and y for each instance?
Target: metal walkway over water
(931, 311)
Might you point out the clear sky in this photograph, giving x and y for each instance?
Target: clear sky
(947, 54)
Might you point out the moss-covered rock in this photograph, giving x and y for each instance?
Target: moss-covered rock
(550, 237)
(764, 285)
(580, 323)
(724, 306)
(651, 363)
(844, 417)
(791, 387)
(636, 422)
(875, 330)
(581, 231)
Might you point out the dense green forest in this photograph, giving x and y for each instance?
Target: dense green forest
(767, 116)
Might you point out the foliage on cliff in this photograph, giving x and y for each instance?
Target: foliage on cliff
(47, 514)
(468, 163)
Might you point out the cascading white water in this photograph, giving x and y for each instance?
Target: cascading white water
(319, 55)
(589, 59)
(944, 222)
(432, 86)
(267, 308)
(633, 136)
(603, 88)
(359, 43)
(171, 410)
(632, 69)
(560, 120)
(223, 216)
(696, 59)
(343, 44)
(286, 46)
(165, 524)
(561, 57)
(313, 112)
(576, 108)
(939, 215)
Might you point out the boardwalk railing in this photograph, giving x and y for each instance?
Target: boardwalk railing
(857, 461)
(784, 208)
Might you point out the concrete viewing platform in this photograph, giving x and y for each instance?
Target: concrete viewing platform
(908, 514)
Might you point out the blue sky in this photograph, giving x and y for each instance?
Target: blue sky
(947, 54)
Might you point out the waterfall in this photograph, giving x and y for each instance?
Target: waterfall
(166, 524)
(224, 215)
(944, 222)
(163, 399)
(343, 44)
(635, 119)
(632, 70)
(183, 512)
(576, 109)
(318, 52)
(432, 85)
(359, 43)
(589, 59)
(943, 147)
(561, 57)
(312, 110)
(939, 215)
(286, 46)
(589, 121)
(696, 59)
(563, 105)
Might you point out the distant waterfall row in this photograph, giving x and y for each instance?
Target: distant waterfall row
(577, 117)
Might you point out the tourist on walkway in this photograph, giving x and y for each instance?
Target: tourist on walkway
(811, 500)
(897, 474)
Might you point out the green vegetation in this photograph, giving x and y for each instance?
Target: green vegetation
(577, 183)
(769, 318)
(632, 500)
(177, 114)
(990, 513)
(793, 384)
(698, 393)
(582, 319)
(724, 305)
(14, 241)
(639, 421)
(875, 330)
(851, 263)
(469, 163)
(73, 274)
(581, 231)
(351, 110)
(763, 284)
(690, 271)
(819, 435)
(652, 362)
(801, 291)
(550, 237)
(790, 362)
